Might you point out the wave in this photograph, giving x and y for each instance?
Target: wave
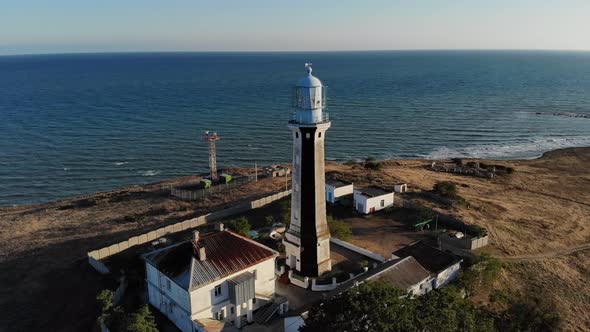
(526, 150)
(119, 163)
(150, 172)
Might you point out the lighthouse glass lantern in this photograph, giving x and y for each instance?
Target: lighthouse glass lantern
(310, 99)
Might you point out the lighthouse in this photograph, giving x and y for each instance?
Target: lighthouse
(307, 240)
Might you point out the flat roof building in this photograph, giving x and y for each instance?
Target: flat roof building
(336, 189)
(442, 265)
(372, 199)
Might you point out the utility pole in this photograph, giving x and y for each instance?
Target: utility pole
(255, 172)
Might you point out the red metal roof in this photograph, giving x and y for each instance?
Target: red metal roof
(226, 253)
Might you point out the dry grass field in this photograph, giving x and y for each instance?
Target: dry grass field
(537, 218)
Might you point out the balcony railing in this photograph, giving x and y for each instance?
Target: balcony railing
(305, 119)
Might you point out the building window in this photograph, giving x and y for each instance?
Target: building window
(232, 310)
(296, 135)
(218, 290)
(320, 135)
(382, 203)
(168, 284)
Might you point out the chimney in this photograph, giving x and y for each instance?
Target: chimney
(219, 227)
(202, 254)
(196, 236)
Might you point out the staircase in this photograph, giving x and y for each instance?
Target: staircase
(243, 321)
(265, 313)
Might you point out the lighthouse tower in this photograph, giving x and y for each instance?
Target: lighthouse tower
(307, 241)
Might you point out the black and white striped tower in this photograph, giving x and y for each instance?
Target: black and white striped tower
(307, 241)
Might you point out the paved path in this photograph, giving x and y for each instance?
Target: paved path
(545, 255)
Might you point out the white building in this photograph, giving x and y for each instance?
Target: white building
(335, 189)
(372, 199)
(400, 187)
(220, 275)
(406, 274)
(444, 267)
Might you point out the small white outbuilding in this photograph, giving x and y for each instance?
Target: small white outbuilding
(400, 187)
(372, 199)
(336, 189)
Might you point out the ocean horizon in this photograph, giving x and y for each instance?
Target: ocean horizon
(73, 124)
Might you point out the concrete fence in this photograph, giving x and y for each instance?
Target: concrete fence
(95, 256)
(300, 281)
(359, 250)
(465, 243)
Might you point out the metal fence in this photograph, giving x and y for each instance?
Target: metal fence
(194, 194)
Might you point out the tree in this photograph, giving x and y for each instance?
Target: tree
(141, 321)
(105, 301)
(240, 226)
(368, 307)
(376, 306)
(535, 313)
(111, 315)
(285, 212)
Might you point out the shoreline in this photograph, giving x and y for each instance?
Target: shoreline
(43, 246)
(173, 180)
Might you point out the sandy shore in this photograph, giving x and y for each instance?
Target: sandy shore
(535, 216)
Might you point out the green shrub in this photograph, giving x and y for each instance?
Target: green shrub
(269, 221)
(374, 165)
(535, 313)
(141, 321)
(240, 226)
(446, 189)
(481, 274)
(339, 228)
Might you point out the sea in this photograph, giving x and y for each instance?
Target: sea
(73, 124)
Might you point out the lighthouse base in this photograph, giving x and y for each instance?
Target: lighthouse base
(312, 260)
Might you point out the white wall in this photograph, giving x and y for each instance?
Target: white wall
(371, 202)
(338, 192)
(206, 305)
(447, 275)
(202, 302)
(173, 302)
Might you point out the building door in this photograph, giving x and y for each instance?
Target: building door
(360, 208)
(372, 210)
(293, 262)
(330, 197)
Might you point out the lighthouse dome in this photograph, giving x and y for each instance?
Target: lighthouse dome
(309, 81)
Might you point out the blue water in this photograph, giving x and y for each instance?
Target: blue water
(75, 124)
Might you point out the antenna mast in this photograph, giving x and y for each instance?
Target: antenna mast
(211, 137)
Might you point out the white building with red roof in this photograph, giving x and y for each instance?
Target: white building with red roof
(221, 275)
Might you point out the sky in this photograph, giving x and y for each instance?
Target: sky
(71, 26)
